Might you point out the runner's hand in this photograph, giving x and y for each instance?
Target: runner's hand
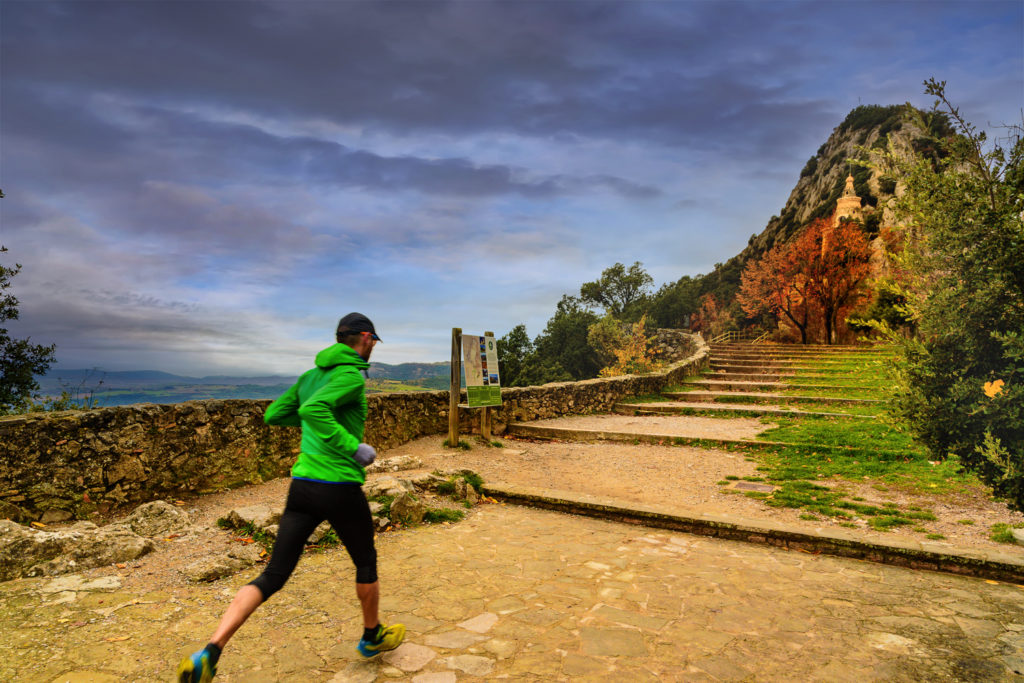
(365, 454)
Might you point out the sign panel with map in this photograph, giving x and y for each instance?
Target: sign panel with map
(480, 363)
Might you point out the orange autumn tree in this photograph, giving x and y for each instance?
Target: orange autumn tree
(839, 275)
(819, 274)
(775, 284)
(711, 318)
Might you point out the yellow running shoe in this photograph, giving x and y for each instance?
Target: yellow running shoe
(196, 668)
(388, 638)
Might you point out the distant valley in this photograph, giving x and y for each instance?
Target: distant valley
(152, 386)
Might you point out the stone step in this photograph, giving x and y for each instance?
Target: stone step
(779, 360)
(792, 358)
(767, 396)
(803, 348)
(525, 430)
(686, 408)
(731, 385)
(751, 376)
(771, 367)
(995, 566)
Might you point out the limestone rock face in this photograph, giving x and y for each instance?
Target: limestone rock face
(26, 552)
(407, 509)
(158, 518)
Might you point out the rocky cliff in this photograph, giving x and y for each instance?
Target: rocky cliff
(821, 181)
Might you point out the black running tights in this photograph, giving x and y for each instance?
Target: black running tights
(309, 504)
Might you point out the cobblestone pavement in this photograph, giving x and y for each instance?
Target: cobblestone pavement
(521, 594)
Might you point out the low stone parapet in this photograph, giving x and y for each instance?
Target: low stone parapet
(59, 466)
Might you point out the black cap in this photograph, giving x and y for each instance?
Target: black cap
(356, 322)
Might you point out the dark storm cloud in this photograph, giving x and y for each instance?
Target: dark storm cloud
(150, 142)
(539, 68)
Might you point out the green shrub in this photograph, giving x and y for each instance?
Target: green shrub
(961, 379)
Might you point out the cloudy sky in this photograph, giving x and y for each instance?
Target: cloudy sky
(206, 187)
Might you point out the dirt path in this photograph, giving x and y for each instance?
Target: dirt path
(687, 478)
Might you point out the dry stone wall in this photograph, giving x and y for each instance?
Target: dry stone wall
(59, 466)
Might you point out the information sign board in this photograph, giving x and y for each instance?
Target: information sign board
(480, 362)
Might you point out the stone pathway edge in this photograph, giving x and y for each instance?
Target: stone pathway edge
(981, 564)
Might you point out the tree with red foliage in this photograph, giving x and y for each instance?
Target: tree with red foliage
(818, 274)
(711, 318)
(775, 284)
(837, 276)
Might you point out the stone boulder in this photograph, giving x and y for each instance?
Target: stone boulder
(407, 510)
(260, 516)
(27, 552)
(213, 568)
(464, 491)
(395, 464)
(426, 481)
(158, 519)
(318, 533)
(386, 486)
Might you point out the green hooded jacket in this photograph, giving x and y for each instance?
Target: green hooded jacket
(329, 403)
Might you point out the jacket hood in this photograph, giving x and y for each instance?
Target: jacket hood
(340, 354)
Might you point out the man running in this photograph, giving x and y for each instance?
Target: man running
(329, 403)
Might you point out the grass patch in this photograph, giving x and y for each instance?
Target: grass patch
(462, 444)
(1003, 533)
(385, 501)
(474, 480)
(858, 451)
(888, 522)
(935, 537)
(435, 516)
(965, 522)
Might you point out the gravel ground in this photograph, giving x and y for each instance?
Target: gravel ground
(685, 477)
(678, 477)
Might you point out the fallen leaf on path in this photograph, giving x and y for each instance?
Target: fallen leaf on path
(38, 525)
(116, 639)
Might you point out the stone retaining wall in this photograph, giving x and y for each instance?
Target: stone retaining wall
(55, 466)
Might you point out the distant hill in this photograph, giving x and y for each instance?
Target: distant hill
(110, 388)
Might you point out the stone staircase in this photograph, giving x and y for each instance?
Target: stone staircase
(759, 379)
